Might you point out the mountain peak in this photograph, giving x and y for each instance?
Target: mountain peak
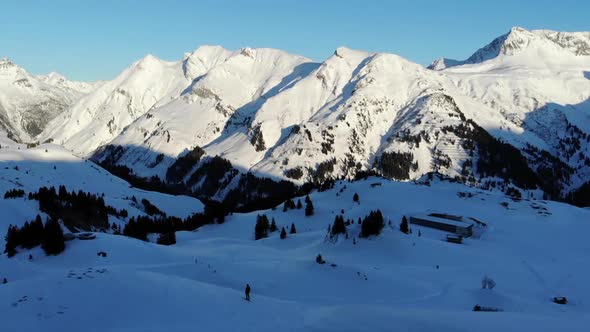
(248, 52)
(343, 52)
(202, 59)
(55, 76)
(519, 39)
(518, 30)
(148, 61)
(6, 63)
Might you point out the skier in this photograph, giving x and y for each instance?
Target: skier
(247, 292)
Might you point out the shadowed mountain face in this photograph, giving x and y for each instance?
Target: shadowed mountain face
(513, 115)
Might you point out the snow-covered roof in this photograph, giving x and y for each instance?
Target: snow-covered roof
(443, 220)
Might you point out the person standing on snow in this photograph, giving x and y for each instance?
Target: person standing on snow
(247, 292)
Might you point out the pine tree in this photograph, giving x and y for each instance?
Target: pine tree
(372, 224)
(262, 227)
(273, 226)
(293, 230)
(299, 205)
(308, 207)
(355, 198)
(283, 233)
(339, 227)
(167, 238)
(403, 227)
(53, 238)
(12, 240)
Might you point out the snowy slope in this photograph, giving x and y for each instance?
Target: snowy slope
(49, 165)
(393, 281)
(29, 102)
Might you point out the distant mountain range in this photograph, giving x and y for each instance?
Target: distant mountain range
(515, 115)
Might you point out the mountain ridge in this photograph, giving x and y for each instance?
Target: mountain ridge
(285, 117)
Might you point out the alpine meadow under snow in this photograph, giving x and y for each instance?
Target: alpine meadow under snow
(362, 193)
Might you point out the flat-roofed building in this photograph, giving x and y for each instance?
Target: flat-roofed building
(444, 222)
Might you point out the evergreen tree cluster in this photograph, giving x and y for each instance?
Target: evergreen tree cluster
(211, 174)
(496, 158)
(50, 236)
(258, 193)
(289, 205)
(262, 227)
(167, 238)
(77, 210)
(322, 173)
(257, 139)
(372, 224)
(139, 227)
(151, 184)
(581, 196)
(396, 165)
(53, 238)
(339, 227)
(294, 173)
(151, 209)
(14, 193)
(184, 164)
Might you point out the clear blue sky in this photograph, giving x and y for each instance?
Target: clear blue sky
(96, 39)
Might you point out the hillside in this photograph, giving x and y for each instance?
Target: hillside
(49, 165)
(407, 282)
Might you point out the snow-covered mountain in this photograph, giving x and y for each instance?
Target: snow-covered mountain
(56, 79)
(150, 82)
(284, 117)
(542, 45)
(539, 83)
(29, 102)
